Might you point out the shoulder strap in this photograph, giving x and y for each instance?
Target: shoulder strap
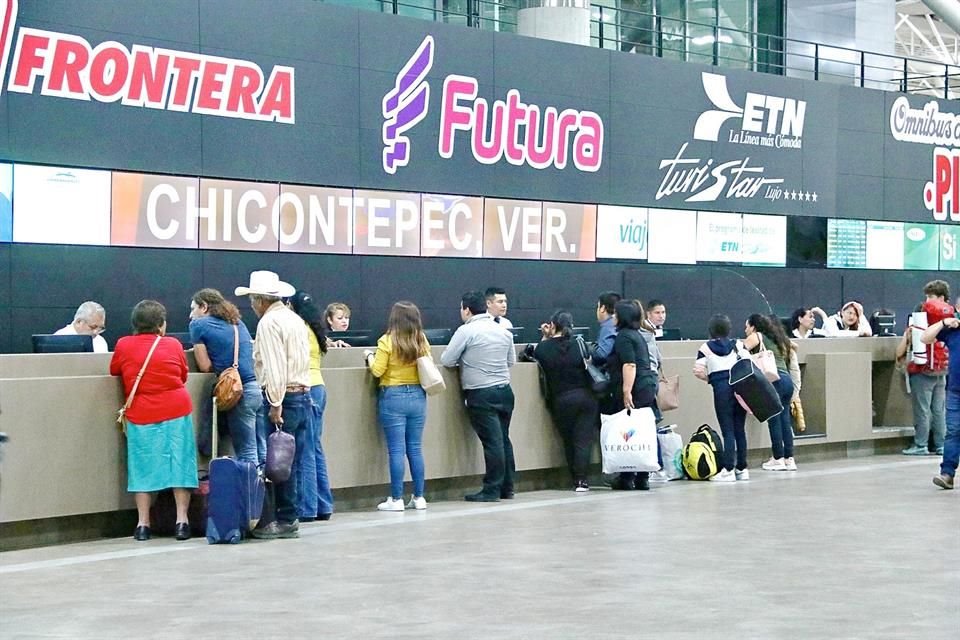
(583, 349)
(236, 346)
(136, 383)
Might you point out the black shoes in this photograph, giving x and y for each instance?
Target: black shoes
(182, 531)
(642, 482)
(141, 533)
(480, 496)
(278, 530)
(506, 494)
(324, 516)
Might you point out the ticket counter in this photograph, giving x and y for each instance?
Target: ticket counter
(66, 458)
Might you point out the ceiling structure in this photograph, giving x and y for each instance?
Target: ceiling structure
(920, 34)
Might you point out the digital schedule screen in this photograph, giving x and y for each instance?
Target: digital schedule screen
(6, 202)
(847, 244)
(884, 245)
(672, 236)
(764, 240)
(61, 206)
(921, 246)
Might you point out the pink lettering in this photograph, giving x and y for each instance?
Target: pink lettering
(540, 154)
(487, 150)
(516, 116)
(453, 116)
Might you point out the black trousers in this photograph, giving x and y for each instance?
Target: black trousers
(490, 410)
(576, 413)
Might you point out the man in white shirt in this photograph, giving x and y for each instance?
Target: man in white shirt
(89, 320)
(496, 298)
(657, 316)
(281, 361)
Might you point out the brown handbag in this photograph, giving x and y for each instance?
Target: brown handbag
(668, 393)
(229, 388)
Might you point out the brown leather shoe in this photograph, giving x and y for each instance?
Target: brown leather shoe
(943, 481)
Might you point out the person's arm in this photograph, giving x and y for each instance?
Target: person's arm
(823, 316)
(863, 328)
(831, 327)
(511, 354)
(752, 341)
(794, 369)
(380, 359)
(273, 356)
(902, 345)
(115, 368)
(700, 366)
(930, 333)
(629, 375)
(458, 342)
(184, 369)
(604, 346)
(204, 363)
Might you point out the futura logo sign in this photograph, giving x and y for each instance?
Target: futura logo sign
(64, 65)
(507, 129)
(765, 121)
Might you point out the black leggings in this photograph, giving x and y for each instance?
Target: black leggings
(575, 412)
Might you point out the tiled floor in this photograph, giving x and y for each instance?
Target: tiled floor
(864, 548)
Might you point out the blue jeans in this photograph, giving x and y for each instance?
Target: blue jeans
(951, 443)
(310, 464)
(731, 417)
(242, 421)
(297, 415)
(781, 426)
(403, 411)
(928, 396)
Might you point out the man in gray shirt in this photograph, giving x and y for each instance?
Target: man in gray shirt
(484, 352)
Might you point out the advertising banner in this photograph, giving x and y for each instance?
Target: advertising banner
(154, 211)
(672, 236)
(6, 202)
(719, 236)
(61, 205)
(386, 223)
(315, 219)
(622, 232)
(238, 215)
(452, 226)
(764, 240)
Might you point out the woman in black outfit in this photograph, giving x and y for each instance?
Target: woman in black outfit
(633, 384)
(572, 404)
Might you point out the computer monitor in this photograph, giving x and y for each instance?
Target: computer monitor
(882, 324)
(583, 332)
(354, 338)
(184, 339)
(517, 333)
(671, 334)
(47, 343)
(438, 336)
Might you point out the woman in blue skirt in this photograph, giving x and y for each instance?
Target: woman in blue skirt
(161, 446)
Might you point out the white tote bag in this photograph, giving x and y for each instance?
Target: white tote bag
(628, 441)
(671, 451)
(430, 377)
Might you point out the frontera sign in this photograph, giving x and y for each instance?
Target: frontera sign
(511, 130)
(68, 66)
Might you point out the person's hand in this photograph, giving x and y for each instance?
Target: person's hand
(276, 415)
(547, 330)
(628, 399)
(367, 354)
(953, 323)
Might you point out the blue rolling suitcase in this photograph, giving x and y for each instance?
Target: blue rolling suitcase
(235, 498)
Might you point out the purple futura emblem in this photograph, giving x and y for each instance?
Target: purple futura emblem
(406, 105)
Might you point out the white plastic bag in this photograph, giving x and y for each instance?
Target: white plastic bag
(628, 441)
(671, 451)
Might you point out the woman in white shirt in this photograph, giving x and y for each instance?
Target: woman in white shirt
(803, 322)
(849, 321)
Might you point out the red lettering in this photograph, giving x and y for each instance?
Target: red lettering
(69, 59)
(955, 197)
(148, 78)
(210, 87)
(244, 88)
(942, 180)
(184, 70)
(108, 71)
(30, 59)
(276, 103)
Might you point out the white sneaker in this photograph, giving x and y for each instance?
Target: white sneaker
(789, 464)
(724, 476)
(742, 474)
(391, 505)
(417, 503)
(774, 464)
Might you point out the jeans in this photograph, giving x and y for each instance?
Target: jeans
(297, 415)
(575, 413)
(731, 417)
(310, 464)
(951, 443)
(928, 395)
(242, 422)
(780, 426)
(489, 410)
(402, 411)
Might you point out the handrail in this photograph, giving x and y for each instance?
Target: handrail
(763, 53)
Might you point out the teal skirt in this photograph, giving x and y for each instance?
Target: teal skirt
(161, 455)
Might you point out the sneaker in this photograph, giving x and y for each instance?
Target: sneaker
(659, 476)
(278, 530)
(417, 503)
(774, 464)
(582, 486)
(939, 452)
(724, 476)
(789, 464)
(391, 504)
(742, 474)
(915, 451)
(943, 481)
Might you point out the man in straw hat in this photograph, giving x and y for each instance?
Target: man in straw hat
(281, 359)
